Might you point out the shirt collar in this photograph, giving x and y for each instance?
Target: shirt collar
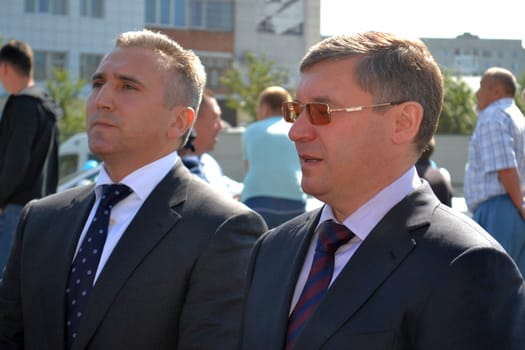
(154, 172)
(366, 217)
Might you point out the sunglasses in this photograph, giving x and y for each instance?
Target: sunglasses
(321, 113)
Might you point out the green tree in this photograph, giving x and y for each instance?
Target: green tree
(66, 91)
(458, 115)
(520, 99)
(244, 89)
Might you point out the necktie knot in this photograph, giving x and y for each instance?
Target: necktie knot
(332, 236)
(114, 193)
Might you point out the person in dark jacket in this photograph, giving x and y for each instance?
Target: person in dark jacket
(439, 182)
(28, 140)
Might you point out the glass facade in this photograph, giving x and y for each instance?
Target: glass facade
(46, 61)
(55, 7)
(191, 14)
(88, 65)
(92, 8)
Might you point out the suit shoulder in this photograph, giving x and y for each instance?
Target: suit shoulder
(57, 200)
(291, 230)
(459, 230)
(207, 204)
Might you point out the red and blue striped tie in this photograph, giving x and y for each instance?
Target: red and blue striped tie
(331, 236)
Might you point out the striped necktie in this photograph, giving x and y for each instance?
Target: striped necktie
(331, 236)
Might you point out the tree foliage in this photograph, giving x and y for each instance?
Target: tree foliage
(244, 86)
(66, 91)
(520, 98)
(458, 115)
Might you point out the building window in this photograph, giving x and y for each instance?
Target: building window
(219, 15)
(150, 11)
(46, 61)
(281, 17)
(165, 11)
(179, 13)
(92, 8)
(215, 68)
(88, 65)
(55, 7)
(197, 14)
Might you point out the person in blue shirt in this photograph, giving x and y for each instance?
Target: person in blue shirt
(495, 173)
(272, 185)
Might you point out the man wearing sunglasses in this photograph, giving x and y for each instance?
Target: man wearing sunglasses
(383, 264)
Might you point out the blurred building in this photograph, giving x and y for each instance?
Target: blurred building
(75, 34)
(469, 55)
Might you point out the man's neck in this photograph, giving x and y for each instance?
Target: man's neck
(23, 83)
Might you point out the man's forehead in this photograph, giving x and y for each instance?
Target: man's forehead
(127, 62)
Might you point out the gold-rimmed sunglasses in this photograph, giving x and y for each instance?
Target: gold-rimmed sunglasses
(320, 113)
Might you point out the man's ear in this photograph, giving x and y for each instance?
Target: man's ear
(407, 121)
(498, 90)
(182, 121)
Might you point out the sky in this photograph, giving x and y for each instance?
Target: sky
(500, 19)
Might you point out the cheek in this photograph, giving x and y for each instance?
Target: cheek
(90, 104)
(357, 142)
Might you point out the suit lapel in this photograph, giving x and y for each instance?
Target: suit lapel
(377, 258)
(289, 273)
(155, 219)
(64, 239)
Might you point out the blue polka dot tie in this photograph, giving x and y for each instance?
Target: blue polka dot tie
(86, 261)
(331, 236)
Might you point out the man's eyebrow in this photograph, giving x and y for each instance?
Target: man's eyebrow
(97, 76)
(123, 77)
(128, 78)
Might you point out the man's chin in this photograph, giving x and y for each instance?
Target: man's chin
(313, 188)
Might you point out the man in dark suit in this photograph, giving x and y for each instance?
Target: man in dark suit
(383, 264)
(170, 271)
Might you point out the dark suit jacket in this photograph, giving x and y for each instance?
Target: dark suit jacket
(175, 280)
(426, 278)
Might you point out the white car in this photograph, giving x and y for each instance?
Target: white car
(79, 178)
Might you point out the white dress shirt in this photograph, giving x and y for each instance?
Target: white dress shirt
(361, 223)
(142, 181)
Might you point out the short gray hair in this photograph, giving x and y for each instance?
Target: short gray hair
(188, 78)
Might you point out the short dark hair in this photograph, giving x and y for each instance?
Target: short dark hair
(208, 97)
(19, 55)
(273, 97)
